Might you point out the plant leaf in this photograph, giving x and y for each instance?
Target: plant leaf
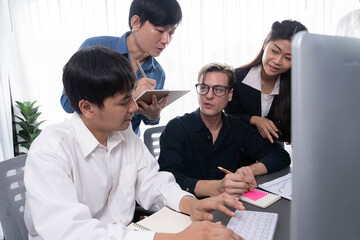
(20, 105)
(21, 119)
(29, 129)
(24, 135)
(38, 124)
(36, 134)
(25, 145)
(34, 110)
(32, 118)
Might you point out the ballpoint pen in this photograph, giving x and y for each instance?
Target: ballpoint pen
(140, 68)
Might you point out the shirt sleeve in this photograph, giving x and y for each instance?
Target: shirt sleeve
(65, 103)
(91, 42)
(155, 189)
(273, 156)
(171, 158)
(149, 122)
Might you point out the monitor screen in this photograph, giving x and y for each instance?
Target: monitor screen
(325, 137)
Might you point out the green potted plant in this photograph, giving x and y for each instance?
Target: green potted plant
(27, 122)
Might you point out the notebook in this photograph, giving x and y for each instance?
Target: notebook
(259, 198)
(281, 186)
(146, 96)
(163, 221)
(252, 225)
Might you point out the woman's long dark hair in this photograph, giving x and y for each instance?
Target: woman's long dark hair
(284, 30)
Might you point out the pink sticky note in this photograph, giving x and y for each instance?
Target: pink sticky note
(255, 195)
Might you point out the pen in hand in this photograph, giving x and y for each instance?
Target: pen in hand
(140, 68)
(224, 170)
(252, 185)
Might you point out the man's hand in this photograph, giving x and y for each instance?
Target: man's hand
(237, 183)
(204, 230)
(142, 85)
(201, 209)
(266, 127)
(153, 110)
(249, 175)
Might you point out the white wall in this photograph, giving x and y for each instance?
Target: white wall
(42, 35)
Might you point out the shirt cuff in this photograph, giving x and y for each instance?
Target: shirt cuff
(189, 184)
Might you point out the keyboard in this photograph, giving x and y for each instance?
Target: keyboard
(252, 225)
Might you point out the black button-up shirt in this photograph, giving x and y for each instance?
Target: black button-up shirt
(187, 149)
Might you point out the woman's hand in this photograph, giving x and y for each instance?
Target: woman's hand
(266, 127)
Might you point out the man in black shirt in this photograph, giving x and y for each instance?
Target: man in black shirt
(194, 145)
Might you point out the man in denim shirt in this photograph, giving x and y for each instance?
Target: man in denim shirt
(152, 25)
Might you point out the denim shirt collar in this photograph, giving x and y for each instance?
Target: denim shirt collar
(123, 49)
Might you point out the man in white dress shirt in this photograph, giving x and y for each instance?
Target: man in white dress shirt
(84, 175)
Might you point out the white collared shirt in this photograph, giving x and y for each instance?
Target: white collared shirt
(253, 79)
(349, 25)
(80, 189)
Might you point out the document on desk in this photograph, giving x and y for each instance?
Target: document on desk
(164, 221)
(281, 186)
(252, 225)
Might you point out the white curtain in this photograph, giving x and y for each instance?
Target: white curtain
(6, 145)
(45, 33)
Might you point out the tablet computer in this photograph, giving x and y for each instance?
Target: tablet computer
(146, 96)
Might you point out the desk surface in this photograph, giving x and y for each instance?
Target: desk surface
(282, 207)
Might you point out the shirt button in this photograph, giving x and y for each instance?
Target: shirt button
(209, 137)
(187, 189)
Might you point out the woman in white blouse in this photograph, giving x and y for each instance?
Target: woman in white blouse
(262, 92)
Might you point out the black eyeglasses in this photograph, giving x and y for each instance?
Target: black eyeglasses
(218, 90)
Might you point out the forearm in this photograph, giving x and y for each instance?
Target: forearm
(206, 188)
(185, 204)
(167, 236)
(258, 169)
(253, 120)
(276, 160)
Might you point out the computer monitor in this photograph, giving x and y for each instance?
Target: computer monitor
(325, 137)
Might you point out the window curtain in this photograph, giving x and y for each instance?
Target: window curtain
(45, 33)
(6, 141)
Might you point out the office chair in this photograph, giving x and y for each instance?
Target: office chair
(12, 198)
(151, 140)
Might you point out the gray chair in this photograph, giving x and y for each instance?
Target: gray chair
(12, 198)
(151, 140)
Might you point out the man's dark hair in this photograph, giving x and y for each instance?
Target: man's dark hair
(157, 12)
(95, 73)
